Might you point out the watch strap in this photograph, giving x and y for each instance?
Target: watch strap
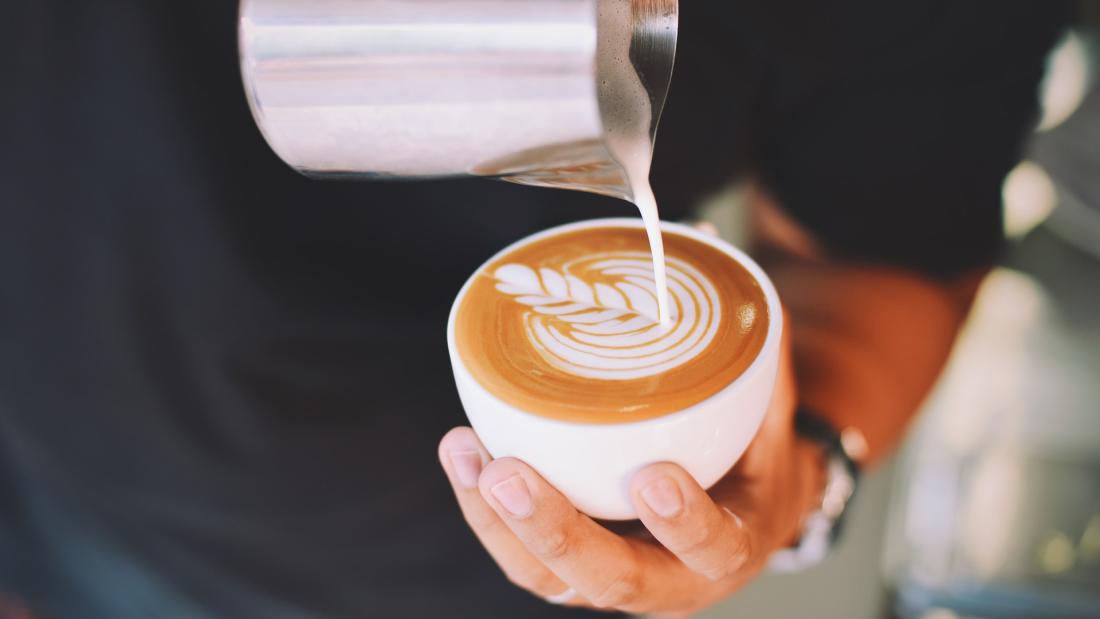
(821, 528)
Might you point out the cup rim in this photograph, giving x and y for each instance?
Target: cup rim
(771, 296)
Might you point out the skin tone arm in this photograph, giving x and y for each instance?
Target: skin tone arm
(868, 341)
(863, 347)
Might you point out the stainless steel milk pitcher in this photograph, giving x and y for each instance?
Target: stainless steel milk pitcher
(522, 90)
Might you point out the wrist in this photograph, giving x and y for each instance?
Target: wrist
(811, 477)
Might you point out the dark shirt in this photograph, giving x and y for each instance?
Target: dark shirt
(228, 381)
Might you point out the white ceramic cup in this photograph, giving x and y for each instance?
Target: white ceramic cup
(592, 464)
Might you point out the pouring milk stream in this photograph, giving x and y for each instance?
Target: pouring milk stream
(627, 114)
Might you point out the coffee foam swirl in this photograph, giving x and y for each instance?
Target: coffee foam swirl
(567, 327)
(609, 329)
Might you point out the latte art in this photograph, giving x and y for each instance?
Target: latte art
(609, 329)
(567, 326)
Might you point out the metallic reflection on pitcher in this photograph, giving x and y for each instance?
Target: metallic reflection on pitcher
(554, 93)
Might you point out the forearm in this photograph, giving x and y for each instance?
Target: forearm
(868, 342)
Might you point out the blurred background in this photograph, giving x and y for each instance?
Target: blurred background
(992, 508)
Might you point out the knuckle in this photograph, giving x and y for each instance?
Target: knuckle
(731, 563)
(621, 591)
(695, 540)
(717, 572)
(552, 545)
(713, 552)
(742, 552)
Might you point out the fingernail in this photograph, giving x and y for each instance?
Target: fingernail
(663, 497)
(467, 467)
(513, 495)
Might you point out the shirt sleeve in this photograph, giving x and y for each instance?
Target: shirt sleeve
(893, 149)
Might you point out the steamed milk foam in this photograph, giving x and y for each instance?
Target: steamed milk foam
(567, 326)
(628, 116)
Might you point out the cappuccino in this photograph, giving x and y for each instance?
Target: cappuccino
(568, 326)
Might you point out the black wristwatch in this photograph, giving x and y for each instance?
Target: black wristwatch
(822, 527)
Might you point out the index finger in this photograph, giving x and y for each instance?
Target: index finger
(608, 570)
(460, 449)
(709, 539)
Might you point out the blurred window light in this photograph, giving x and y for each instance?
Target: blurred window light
(1056, 553)
(1029, 197)
(939, 613)
(1089, 546)
(1066, 81)
(929, 519)
(990, 513)
(992, 350)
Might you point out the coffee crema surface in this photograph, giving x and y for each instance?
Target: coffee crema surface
(567, 327)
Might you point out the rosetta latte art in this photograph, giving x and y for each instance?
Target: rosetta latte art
(566, 326)
(597, 317)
